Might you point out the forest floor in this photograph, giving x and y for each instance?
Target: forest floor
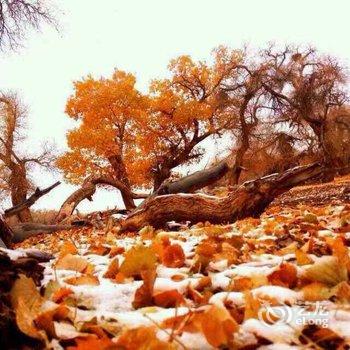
(275, 282)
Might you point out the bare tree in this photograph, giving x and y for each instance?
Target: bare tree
(16, 16)
(16, 162)
(305, 88)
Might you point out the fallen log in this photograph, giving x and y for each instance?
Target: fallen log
(26, 230)
(38, 193)
(195, 181)
(248, 199)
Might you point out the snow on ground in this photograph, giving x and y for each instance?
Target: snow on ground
(278, 282)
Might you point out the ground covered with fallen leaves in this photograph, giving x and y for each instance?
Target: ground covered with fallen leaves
(278, 282)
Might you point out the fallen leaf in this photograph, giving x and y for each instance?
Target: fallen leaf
(168, 298)
(60, 294)
(115, 251)
(173, 256)
(328, 270)
(141, 338)
(302, 258)
(178, 278)
(113, 269)
(72, 262)
(45, 320)
(285, 276)
(316, 291)
(67, 248)
(88, 280)
(99, 249)
(26, 302)
(51, 288)
(137, 259)
(252, 306)
(93, 343)
(144, 294)
(25, 320)
(218, 326)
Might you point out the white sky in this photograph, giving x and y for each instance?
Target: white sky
(141, 37)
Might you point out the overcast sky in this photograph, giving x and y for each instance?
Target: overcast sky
(141, 37)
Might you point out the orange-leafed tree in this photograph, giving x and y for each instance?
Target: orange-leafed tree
(129, 140)
(188, 108)
(104, 147)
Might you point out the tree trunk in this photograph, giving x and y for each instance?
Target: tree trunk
(248, 199)
(26, 230)
(160, 176)
(87, 190)
(19, 189)
(120, 173)
(195, 181)
(20, 208)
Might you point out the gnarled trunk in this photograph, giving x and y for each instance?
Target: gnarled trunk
(248, 199)
(19, 190)
(87, 190)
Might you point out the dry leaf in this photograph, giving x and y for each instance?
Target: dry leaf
(302, 258)
(173, 256)
(218, 326)
(328, 270)
(115, 251)
(99, 249)
(342, 292)
(60, 294)
(92, 343)
(88, 280)
(26, 302)
(144, 294)
(138, 259)
(25, 320)
(72, 262)
(45, 320)
(252, 306)
(142, 338)
(51, 288)
(67, 248)
(168, 298)
(113, 269)
(316, 291)
(285, 276)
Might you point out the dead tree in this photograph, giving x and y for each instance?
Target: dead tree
(87, 190)
(18, 16)
(26, 230)
(38, 193)
(15, 160)
(248, 199)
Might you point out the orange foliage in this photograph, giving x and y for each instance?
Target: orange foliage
(144, 294)
(173, 256)
(142, 338)
(169, 298)
(285, 276)
(61, 294)
(158, 131)
(92, 342)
